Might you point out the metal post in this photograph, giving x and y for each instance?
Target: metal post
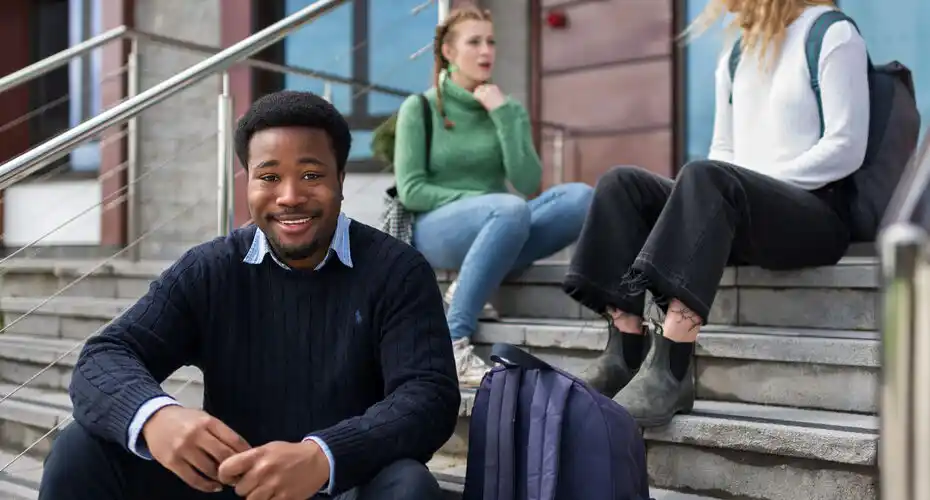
(558, 157)
(443, 7)
(224, 159)
(132, 153)
(903, 316)
(328, 91)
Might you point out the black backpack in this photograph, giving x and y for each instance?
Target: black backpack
(894, 129)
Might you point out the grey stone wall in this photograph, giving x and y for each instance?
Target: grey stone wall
(512, 32)
(177, 136)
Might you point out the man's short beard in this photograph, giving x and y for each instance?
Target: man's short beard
(294, 252)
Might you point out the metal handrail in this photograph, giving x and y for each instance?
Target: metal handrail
(34, 159)
(904, 244)
(266, 65)
(59, 59)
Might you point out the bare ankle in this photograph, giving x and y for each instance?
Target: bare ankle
(626, 322)
(681, 323)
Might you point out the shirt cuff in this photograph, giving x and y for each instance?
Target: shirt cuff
(328, 487)
(142, 416)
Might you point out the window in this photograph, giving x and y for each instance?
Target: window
(700, 63)
(365, 40)
(896, 30)
(70, 94)
(890, 35)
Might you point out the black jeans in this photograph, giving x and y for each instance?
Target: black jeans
(84, 467)
(675, 238)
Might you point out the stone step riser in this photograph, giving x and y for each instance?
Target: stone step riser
(800, 385)
(721, 473)
(44, 285)
(730, 474)
(832, 309)
(827, 308)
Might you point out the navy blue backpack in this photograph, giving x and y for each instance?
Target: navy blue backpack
(538, 433)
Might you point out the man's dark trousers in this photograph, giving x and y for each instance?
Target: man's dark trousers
(83, 467)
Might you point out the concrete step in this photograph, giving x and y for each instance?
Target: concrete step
(818, 369)
(744, 451)
(736, 450)
(805, 368)
(842, 297)
(19, 481)
(450, 471)
(836, 297)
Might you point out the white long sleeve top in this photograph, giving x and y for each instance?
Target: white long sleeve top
(773, 127)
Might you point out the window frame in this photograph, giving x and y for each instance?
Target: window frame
(267, 12)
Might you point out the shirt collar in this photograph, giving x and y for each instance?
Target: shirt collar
(339, 246)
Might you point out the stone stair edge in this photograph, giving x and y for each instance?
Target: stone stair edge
(850, 272)
(723, 428)
(732, 426)
(718, 341)
(450, 472)
(722, 341)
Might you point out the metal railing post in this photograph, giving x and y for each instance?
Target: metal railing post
(443, 7)
(132, 152)
(902, 405)
(558, 157)
(224, 159)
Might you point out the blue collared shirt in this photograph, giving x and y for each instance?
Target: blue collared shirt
(340, 246)
(257, 252)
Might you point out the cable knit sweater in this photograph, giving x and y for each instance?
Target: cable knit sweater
(358, 356)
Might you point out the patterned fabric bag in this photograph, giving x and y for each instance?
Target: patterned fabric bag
(396, 220)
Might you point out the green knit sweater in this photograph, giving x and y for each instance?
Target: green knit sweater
(477, 156)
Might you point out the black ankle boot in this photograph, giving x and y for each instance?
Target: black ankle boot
(655, 395)
(610, 372)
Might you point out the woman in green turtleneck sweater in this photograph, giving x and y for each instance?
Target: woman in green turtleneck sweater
(467, 218)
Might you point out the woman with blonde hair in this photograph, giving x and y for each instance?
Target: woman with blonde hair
(466, 218)
(770, 194)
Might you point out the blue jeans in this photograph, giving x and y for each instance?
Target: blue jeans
(489, 236)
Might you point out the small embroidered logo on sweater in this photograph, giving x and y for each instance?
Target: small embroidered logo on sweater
(358, 317)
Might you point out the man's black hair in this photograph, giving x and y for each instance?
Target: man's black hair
(291, 108)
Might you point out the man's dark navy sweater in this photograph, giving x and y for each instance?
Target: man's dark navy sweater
(359, 356)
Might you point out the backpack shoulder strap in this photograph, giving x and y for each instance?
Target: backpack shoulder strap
(428, 123)
(544, 443)
(812, 49)
(499, 460)
(735, 56)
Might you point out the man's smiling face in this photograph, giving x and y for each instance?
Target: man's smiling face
(295, 191)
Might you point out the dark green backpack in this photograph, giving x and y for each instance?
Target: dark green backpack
(382, 141)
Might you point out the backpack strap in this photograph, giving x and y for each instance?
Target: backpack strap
(735, 55)
(428, 123)
(544, 441)
(499, 462)
(812, 49)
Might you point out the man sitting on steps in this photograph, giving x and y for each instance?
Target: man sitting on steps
(323, 344)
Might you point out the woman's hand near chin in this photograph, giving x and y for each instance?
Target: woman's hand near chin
(490, 96)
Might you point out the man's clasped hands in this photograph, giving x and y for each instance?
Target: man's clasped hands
(206, 454)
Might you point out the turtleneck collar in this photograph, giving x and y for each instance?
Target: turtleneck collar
(454, 92)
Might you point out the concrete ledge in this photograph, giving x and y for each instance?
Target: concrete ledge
(738, 342)
(823, 436)
(850, 272)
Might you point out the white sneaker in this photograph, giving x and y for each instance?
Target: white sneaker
(487, 313)
(469, 367)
